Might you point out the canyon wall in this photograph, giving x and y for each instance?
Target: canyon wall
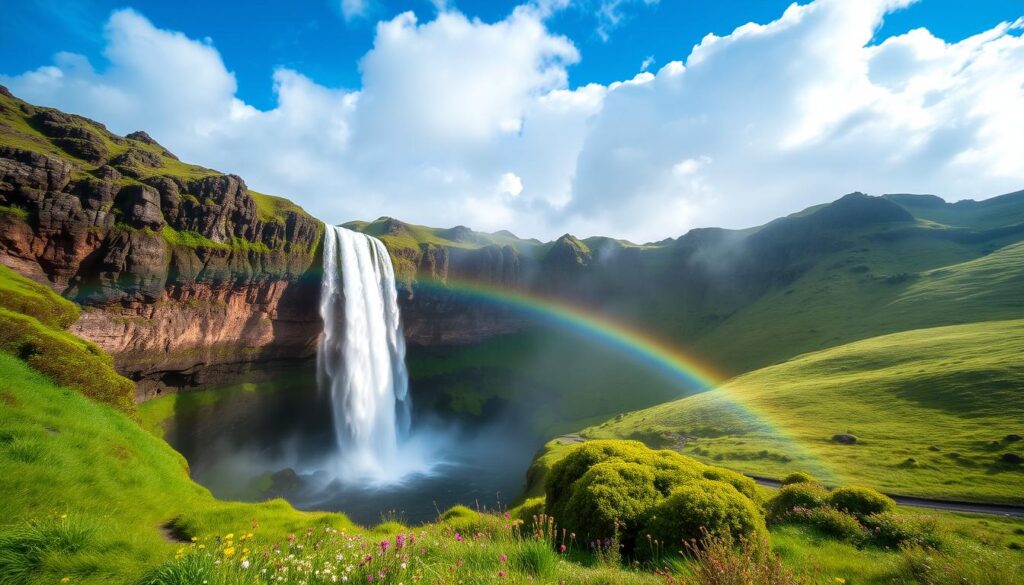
(185, 276)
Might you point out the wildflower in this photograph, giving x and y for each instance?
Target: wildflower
(369, 578)
(384, 544)
(229, 551)
(508, 516)
(291, 538)
(503, 558)
(399, 541)
(229, 536)
(65, 580)
(840, 580)
(458, 537)
(501, 574)
(245, 563)
(561, 548)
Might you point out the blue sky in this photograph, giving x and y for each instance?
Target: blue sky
(538, 116)
(315, 38)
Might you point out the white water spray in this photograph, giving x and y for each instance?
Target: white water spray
(361, 357)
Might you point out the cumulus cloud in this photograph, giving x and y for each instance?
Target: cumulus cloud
(459, 121)
(353, 9)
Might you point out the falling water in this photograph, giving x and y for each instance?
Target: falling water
(361, 357)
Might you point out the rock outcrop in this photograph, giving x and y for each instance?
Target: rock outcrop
(185, 275)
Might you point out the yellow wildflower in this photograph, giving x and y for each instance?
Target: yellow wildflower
(66, 580)
(229, 551)
(840, 580)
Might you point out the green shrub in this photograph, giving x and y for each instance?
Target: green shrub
(860, 501)
(528, 509)
(456, 512)
(797, 495)
(830, 521)
(669, 469)
(894, 530)
(701, 508)
(742, 483)
(798, 477)
(608, 492)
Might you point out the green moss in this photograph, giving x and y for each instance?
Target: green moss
(22, 295)
(14, 211)
(191, 239)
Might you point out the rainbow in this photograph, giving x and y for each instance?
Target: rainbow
(694, 374)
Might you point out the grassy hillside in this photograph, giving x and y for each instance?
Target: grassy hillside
(72, 465)
(33, 320)
(933, 412)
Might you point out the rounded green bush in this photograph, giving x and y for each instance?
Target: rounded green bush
(830, 521)
(860, 501)
(895, 530)
(798, 477)
(797, 495)
(742, 483)
(528, 509)
(457, 512)
(608, 493)
(670, 469)
(703, 505)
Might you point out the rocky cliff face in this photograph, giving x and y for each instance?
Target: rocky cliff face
(184, 274)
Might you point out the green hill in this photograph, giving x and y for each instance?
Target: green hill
(933, 412)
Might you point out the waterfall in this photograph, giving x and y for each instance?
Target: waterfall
(361, 357)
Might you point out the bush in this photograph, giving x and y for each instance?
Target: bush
(798, 477)
(893, 530)
(670, 468)
(830, 521)
(704, 508)
(860, 501)
(797, 495)
(603, 482)
(609, 492)
(742, 483)
(528, 509)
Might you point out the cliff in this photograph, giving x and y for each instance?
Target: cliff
(183, 273)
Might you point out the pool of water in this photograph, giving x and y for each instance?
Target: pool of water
(254, 445)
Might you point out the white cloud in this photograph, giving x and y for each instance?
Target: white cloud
(353, 9)
(462, 121)
(647, 63)
(611, 15)
(510, 184)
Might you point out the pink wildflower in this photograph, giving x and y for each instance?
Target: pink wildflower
(458, 537)
(561, 548)
(384, 544)
(503, 558)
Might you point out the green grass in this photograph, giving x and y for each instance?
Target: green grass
(61, 454)
(929, 407)
(33, 320)
(270, 208)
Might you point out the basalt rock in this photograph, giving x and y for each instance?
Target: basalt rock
(181, 278)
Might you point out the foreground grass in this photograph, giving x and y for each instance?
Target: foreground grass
(933, 412)
(63, 457)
